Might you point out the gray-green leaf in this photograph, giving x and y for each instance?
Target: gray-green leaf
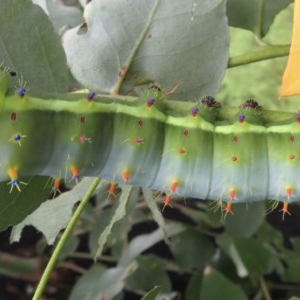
(29, 45)
(123, 43)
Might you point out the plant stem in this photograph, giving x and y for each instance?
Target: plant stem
(51, 264)
(266, 53)
(265, 289)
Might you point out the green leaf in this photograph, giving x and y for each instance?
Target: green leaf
(200, 250)
(151, 295)
(255, 15)
(246, 219)
(60, 14)
(18, 267)
(145, 241)
(30, 46)
(292, 268)
(125, 42)
(257, 259)
(156, 212)
(218, 287)
(15, 206)
(150, 272)
(53, 215)
(99, 283)
(193, 290)
(120, 229)
(118, 215)
(69, 247)
(254, 80)
(250, 257)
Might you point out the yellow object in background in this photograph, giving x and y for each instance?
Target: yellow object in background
(291, 78)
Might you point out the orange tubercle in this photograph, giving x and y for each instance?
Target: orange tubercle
(14, 179)
(55, 187)
(75, 173)
(112, 189)
(167, 202)
(173, 186)
(126, 176)
(56, 183)
(228, 208)
(232, 194)
(289, 191)
(13, 173)
(285, 209)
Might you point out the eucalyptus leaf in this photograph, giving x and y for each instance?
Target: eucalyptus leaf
(99, 283)
(255, 15)
(150, 272)
(15, 206)
(60, 15)
(216, 286)
(30, 46)
(151, 295)
(119, 213)
(200, 250)
(246, 219)
(123, 43)
(53, 215)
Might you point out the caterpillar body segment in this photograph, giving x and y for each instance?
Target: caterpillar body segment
(137, 143)
(284, 161)
(243, 151)
(198, 150)
(181, 145)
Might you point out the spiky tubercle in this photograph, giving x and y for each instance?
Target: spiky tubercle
(177, 147)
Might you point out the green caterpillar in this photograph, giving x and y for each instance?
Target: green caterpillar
(197, 150)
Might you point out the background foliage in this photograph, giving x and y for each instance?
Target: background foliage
(192, 253)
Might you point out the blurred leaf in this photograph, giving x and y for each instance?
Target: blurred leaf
(149, 40)
(250, 257)
(15, 206)
(246, 219)
(30, 46)
(145, 241)
(118, 215)
(255, 15)
(200, 250)
(267, 233)
(120, 229)
(61, 15)
(102, 221)
(99, 283)
(69, 247)
(18, 267)
(53, 215)
(224, 264)
(292, 270)
(193, 290)
(216, 286)
(257, 259)
(150, 272)
(151, 295)
(156, 212)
